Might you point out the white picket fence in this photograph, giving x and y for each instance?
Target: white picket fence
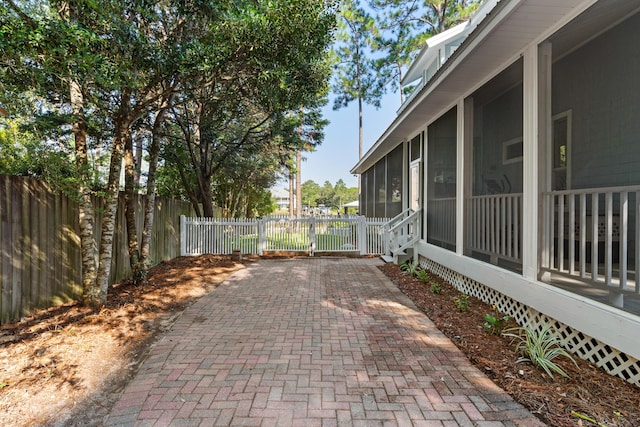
(353, 234)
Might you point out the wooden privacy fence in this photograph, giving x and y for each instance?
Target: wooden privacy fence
(279, 234)
(40, 259)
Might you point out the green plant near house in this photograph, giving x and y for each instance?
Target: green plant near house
(423, 276)
(539, 348)
(436, 288)
(462, 302)
(495, 324)
(409, 267)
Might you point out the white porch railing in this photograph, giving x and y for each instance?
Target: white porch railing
(496, 226)
(256, 236)
(441, 220)
(403, 231)
(594, 234)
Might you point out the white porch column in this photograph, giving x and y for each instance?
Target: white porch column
(406, 203)
(460, 175)
(424, 186)
(545, 137)
(530, 221)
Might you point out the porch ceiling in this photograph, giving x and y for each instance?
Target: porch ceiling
(497, 41)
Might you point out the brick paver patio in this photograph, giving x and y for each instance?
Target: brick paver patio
(310, 342)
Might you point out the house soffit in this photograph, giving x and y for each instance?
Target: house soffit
(497, 41)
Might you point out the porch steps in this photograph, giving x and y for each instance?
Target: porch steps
(387, 258)
(404, 255)
(398, 256)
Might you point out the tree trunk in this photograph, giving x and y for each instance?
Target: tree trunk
(137, 273)
(201, 165)
(236, 199)
(291, 184)
(359, 141)
(86, 218)
(138, 162)
(400, 86)
(154, 153)
(121, 124)
(207, 198)
(298, 183)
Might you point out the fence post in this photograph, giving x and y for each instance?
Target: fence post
(388, 239)
(312, 236)
(363, 239)
(183, 235)
(261, 236)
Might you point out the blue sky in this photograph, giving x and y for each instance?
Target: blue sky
(339, 152)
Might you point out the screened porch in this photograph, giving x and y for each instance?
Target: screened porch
(594, 255)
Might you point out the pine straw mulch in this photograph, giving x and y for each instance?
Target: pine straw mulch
(559, 402)
(66, 366)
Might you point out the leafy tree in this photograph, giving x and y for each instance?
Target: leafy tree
(57, 51)
(326, 195)
(355, 76)
(88, 60)
(404, 28)
(219, 77)
(270, 60)
(339, 196)
(310, 193)
(241, 185)
(333, 196)
(310, 133)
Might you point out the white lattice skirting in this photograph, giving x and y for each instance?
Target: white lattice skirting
(600, 354)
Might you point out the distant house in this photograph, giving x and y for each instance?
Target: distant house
(281, 198)
(514, 168)
(351, 207)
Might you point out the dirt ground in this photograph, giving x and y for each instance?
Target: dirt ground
(66, 366)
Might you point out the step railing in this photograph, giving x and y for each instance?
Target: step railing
(403, 232)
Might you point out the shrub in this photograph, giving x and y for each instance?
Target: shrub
(539, 348)
(462, 302)
(494, 324)
(436, 288)
(423, 275)
(409, 267)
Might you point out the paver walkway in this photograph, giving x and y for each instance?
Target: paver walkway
(310, 342)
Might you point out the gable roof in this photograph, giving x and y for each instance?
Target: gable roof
(430, 51)
(431, 48)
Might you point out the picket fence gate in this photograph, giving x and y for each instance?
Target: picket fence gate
(353, 234)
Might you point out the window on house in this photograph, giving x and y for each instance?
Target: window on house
(512, 151)
(561, 142)
(415, 148)
(394, 182)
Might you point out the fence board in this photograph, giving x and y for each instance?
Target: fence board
(41, 259)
